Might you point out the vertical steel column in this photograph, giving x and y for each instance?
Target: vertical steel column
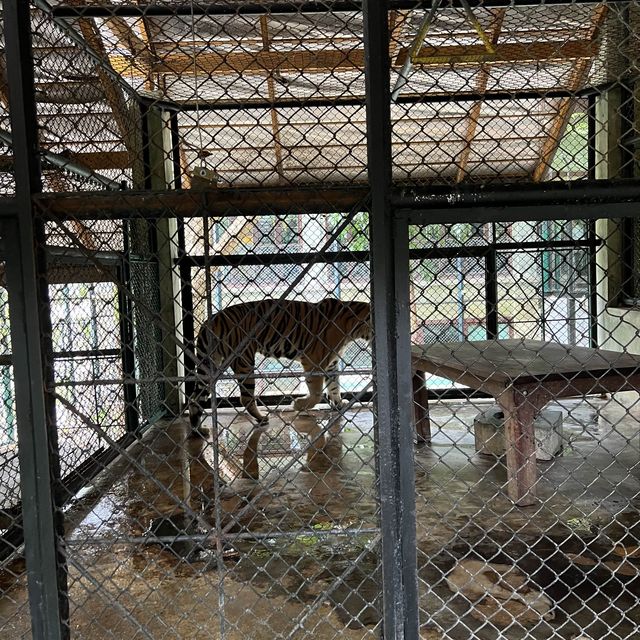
(593, 284)
(390, 292)
(626, 126)
(592, 234)
(175, 157)
(32, 350)
(127, 339)
(166, 249)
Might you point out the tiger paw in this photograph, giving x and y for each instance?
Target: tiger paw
(303, 404)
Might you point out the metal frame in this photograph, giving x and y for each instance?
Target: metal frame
(42, 493)
(221, 8)
(392, 349)
(288, 103)
(431, 204)
(572, 200)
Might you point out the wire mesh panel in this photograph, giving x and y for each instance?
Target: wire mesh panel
(500, 88)
(236, 503)
(525, 400)
(270, 479)
(525, 378)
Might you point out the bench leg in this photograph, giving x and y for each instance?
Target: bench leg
(520, 411)
(421, 409)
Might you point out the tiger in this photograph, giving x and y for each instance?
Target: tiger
(314, 334)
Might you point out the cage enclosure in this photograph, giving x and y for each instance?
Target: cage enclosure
(319, 319)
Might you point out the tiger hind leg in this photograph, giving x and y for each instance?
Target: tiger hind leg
(244, 375)
(198, 397)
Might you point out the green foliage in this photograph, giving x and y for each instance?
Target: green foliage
(355, 237)
(572, 157)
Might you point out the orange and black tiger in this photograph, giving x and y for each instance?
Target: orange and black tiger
(314, 334)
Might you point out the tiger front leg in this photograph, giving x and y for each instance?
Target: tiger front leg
(315, 382)
(333, 387)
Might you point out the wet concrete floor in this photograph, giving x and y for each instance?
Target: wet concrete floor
(283, 543)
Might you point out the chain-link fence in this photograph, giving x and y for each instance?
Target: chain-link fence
(254, 253)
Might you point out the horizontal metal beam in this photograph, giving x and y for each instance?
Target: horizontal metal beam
(359, 101)
(266, 259)
(458, 393)
(90, 10)
(583, 193)
(337, 257)
(425, 205)
(522, 213)
(86, 353)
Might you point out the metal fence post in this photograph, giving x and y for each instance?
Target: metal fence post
(32, 352)
(389, 270)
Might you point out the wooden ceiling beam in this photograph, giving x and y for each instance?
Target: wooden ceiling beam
(397, 21)
(509, 52)
(102, 160)
(149, 32)
(113, 92)
(213, 63)
(127, 38)
(261, 62)
(566, 105)
(250, 42)
(275, 125)
(476, 108)
(68, 93)
(224, 202)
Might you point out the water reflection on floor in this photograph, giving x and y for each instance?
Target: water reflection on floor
(298, 556)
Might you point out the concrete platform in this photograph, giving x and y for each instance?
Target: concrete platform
(299, 558)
